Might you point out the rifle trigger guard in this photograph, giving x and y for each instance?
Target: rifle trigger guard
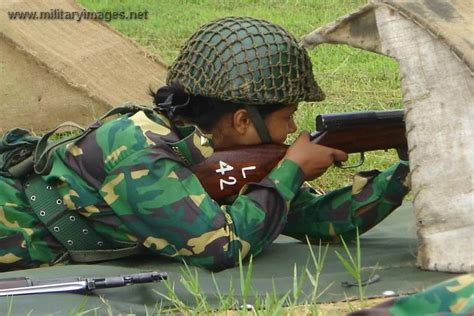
(341, 165)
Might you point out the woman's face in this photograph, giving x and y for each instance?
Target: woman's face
(281, 123)
(237, 129)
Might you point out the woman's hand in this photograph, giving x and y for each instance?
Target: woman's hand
(313, 159)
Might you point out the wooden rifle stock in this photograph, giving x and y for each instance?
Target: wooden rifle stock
(227, 171)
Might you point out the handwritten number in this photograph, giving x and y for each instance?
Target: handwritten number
(229, 181)
(224, 167)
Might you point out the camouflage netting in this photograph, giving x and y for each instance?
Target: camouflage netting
(245, 60)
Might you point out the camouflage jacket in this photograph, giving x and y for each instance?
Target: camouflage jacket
(451, 297)
(130, 179)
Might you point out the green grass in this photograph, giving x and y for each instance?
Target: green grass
(270, 304)
(296, 301)
(170, 23)
(353, 79)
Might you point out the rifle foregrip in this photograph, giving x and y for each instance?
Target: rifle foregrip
(363, 139)
(361, 131)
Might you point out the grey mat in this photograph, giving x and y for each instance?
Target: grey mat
(390, 248)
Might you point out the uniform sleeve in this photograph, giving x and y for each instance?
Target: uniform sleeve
(359, 207)
(168, 210)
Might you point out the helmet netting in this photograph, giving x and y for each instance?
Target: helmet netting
(245, 60)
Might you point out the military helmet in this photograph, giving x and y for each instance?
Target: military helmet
(245, 60)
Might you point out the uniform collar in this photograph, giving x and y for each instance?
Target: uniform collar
(194, 146)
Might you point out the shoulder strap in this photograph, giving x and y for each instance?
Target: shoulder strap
(69, 227)
(45, 148)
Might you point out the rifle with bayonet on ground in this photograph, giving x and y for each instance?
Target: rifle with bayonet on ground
(25, 286)
(225, 172)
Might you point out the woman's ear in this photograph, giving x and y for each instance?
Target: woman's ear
(241, 121)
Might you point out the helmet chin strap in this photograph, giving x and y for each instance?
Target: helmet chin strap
(259, 124)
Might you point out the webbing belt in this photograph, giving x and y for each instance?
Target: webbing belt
(83, 243)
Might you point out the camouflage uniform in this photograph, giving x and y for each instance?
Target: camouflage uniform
(128, 181)
(454, 296)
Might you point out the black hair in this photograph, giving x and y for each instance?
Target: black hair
(205, 112)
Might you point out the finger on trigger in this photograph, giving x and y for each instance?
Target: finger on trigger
(340, 155)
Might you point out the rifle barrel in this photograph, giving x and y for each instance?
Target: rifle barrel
(348, 120)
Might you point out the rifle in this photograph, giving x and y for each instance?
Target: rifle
(19, 286)
(225, 172)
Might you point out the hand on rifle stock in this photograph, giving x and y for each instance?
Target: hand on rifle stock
(313, 159)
